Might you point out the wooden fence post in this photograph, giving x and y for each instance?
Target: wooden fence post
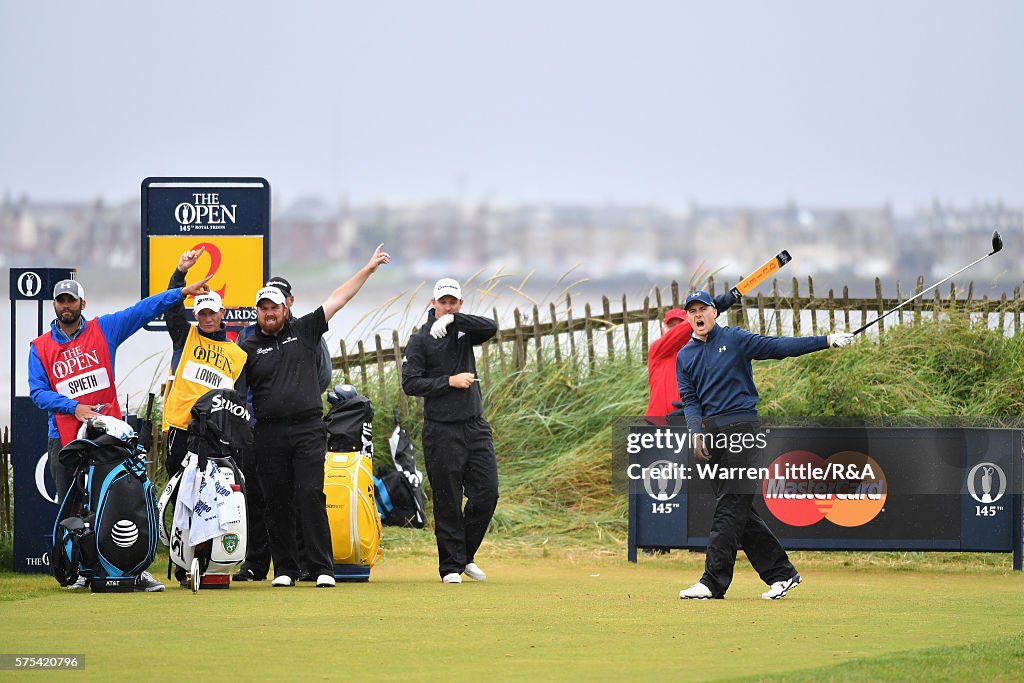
(831, 310)
(362, 366)
(396, 345)
(519, 348)
(1002, 314)
(1016, 310)
(881, 307)
(608, 336)
(645, 332)
(675, 294)
(778, 307)
(500, 342)
(846, 308)
(917, 302)
(625, 329)
(795, 307)
(589, 330)
(811, 305)
(569, 326)
(899, 298)
(967, 303)
(380, 367)
(536, 336)
(554, 335)
(763, 330)
(344, 363)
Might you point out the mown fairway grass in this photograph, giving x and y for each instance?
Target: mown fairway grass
(562, 614)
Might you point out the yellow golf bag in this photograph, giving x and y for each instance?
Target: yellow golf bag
(352, 514)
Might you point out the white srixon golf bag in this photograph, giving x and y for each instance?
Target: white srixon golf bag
(206, 528)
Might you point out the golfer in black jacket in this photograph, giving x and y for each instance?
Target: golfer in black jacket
(457, 444)
(289, 441)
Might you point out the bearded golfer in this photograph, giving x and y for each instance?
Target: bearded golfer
(716, 384)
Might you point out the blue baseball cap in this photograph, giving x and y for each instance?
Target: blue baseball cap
(699, 296)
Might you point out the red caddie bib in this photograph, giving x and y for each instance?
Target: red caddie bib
(80, 370)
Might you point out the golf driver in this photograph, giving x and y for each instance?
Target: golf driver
(997, 245)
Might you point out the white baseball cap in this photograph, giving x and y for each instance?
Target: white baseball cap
(447, 286)
(272, 293)
(210, 301)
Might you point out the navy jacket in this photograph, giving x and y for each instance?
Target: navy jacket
(715, 377)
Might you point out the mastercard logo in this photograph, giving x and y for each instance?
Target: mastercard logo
(848, 489)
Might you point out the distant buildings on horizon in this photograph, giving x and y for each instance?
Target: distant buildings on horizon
(599, 242)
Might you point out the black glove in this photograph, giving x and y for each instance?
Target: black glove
(676, 417)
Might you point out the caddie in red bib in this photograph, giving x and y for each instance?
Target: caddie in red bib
(71, 367)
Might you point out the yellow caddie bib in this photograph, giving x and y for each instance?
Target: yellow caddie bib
(204, 364)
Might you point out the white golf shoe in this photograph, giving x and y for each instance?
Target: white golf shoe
(325, 581)
(452, 578)
(780, 588)
(474, 572)
(282, 581)
(697, 591)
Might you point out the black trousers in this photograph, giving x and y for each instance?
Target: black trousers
(290, 466)
(62, 474)
(176, 450)
(735, 523)
(257, 551)
(460, 461)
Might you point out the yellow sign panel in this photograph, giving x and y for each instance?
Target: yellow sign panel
(235, 262)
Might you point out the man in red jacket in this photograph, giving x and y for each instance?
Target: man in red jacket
(661, 359)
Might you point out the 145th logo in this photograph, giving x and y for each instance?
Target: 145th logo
(986, 482)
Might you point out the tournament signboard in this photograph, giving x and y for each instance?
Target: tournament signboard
(228, 217)
(838, 488)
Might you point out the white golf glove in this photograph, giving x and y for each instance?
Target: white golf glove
(839, 340)
(440, 326)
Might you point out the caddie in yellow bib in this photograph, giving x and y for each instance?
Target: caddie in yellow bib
(203, 359)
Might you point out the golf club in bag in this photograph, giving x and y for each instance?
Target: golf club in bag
(107, 526)
(997, 245)
(206, 532)
(348, 485)
(399, 491)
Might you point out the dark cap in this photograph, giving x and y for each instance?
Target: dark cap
(699, 296)
(72, 287)
(282, 284)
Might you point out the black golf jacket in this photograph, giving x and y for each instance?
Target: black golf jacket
(430, 362)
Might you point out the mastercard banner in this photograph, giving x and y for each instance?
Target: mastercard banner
(229, 218)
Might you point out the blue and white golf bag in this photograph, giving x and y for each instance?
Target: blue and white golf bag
(106, 527)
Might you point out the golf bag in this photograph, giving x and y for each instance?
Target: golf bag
(206, 532)
(348, 485)
(399, 491)
(106, 527)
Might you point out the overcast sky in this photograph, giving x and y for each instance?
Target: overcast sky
(849, 102)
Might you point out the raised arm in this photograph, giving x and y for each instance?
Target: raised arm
(343, 294)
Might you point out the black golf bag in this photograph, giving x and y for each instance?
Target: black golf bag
(399, 491)
(106, 527)
(206, 530)
(349, 422)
